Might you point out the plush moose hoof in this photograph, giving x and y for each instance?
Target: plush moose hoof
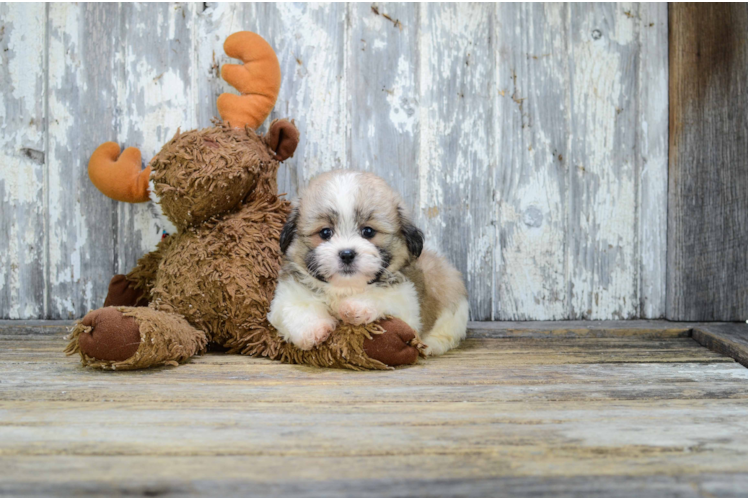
(122, 293)
(395, 346)
(112, 335)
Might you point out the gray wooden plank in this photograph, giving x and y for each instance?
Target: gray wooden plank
(477, 352)
(34, 330)
(578, 329)
(227, 476)
(533, 130)
(603, 258)
(707, 202)
(261, 382)
(156, 97)
(382, 78)
(401, 430)
(467, 167)
(83, 81)
(310, 41)
(476, 329)
(214, 22)
(498, 416)
(457, 170)
(22, 160)
(652, 133)
(730, 339)
(11, 323)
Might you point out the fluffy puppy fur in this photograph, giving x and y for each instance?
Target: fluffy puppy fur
(352, 254)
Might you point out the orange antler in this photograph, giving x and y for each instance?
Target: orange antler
(258, 80)
(119, 176)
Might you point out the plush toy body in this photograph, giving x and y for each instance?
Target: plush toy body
(213, 280)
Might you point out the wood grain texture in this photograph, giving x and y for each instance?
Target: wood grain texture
(527, 139)
(602, 165)
(652, 157)
(100, 476)
(534, 128)
(82, 99)
(156, 96)
(730, 339)
(23, 52)
(577, 329)
(528, 416)
(311, 41)
(383, 85)
(708, 165)
(456, 165)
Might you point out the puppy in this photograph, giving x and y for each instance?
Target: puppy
(352, 254)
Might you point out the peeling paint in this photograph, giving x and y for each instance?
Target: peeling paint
(604, 196)
(316, 36)
(402, 106)
(478, 114)
(22, 119)
(456, 168)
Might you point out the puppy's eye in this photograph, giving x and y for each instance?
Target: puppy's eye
(368, 233)
(326, 233)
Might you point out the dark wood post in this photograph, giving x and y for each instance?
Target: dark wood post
(708, 166)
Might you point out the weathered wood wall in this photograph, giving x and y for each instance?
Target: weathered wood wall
(708, 196)
(529, 139)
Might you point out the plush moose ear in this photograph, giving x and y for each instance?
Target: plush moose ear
(289, 230)
(282, 138)
(413, 236)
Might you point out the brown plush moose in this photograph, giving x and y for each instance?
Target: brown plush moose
(213, 280)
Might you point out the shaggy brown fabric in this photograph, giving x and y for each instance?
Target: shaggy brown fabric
(214, 279)
(123, 293)
(143, 275)
(203, 173)
(165, 339)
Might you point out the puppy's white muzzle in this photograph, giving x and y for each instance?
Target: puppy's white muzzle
(348, 261)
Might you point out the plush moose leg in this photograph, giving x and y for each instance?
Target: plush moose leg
(397, 345)
(134, 289)
(112, 337)
(129, 338)
(376, 346)
(132, 336)
(122, 292)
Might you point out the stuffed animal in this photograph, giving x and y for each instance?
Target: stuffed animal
(212, 281)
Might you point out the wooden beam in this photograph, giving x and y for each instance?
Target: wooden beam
(708, 163)
(729, 339)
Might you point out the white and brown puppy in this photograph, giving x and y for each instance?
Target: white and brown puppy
(353, 255)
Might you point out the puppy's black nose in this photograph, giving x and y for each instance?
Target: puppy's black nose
(347, 256)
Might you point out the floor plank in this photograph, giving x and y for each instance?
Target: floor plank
(527, 415)
(730, 339)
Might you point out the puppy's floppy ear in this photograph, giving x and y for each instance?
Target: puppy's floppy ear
(413, 236)
(289, 230)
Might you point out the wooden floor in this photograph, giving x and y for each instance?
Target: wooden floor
(541, 409)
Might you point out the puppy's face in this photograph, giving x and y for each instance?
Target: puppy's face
(348, 228)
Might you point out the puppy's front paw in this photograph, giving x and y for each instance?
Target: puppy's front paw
(315, 333)
(436, 345)
(357, 312)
